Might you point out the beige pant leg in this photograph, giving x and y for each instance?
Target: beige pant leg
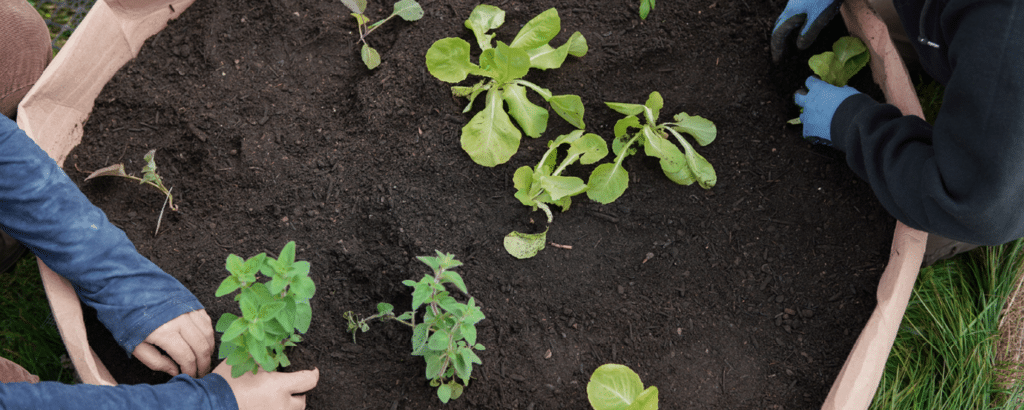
(887, 12)
(24, 52)
(11, 372)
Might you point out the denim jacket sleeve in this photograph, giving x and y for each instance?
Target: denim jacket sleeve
(182, 392)
(43, 209)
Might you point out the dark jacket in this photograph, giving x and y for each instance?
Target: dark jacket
(962, 178)
(43, 209)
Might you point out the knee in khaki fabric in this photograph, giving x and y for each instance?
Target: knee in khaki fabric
(11, 372)
(24, 52)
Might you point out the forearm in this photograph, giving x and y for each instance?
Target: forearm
(182, 392)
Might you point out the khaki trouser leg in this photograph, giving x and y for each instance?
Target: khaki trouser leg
(24, 52)
(11, 372)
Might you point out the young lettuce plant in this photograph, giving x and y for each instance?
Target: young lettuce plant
(684, 167)
(408, 10)
(272, 311)
(447, 336)
(617, 387)
(646, 6)
(848, 56)
(490, 138)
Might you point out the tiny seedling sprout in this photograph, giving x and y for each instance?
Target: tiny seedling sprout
(408, 10)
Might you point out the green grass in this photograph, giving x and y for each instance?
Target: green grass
(944, 354)
(25, 336)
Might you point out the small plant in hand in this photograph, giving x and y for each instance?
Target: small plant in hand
(408, 10)
(684, 167)
(617, 387)
(848, 56)
(273, 312)
(490, 138)
(447, 336)
(149, 176)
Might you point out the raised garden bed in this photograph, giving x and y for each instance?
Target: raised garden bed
(270, 129)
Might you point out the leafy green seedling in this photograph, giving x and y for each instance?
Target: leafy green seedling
(543, 185)
(848, 56)
(408, 10)
(617, 387)
(149, 176)
(489, 137)
(610, 180)
(447, 336)
(272, 311)
(646, 6)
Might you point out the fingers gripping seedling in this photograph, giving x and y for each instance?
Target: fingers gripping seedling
(272, 311)
(447, 336)
(684, 167)
(408, 10)
(490, 138)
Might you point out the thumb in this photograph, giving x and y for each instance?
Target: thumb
(301, 382)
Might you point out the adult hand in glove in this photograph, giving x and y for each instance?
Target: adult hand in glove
(820, 101)
(270, 390)
(812, 15)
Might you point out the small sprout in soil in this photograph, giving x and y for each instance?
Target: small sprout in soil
(272, 311)
(684, 167)
(848, 56)
(149, 176)
(543, 185)
(447, 336)
(617, 387)
(408, 10)
(490, 138)
(646, 6)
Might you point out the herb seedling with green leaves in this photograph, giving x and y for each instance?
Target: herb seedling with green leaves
(149, 176)
(447, 336)
(684, 167)
(490, 138)
(646, 6)
(848, 56)
(272, 311)
(408, 10)
(617, 387)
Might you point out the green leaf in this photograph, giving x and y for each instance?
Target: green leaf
(471, 92)
(510, 63)
(623, 125)
(490, 138)
(439, 340)
(444, 392)
(546, 57)
(361, 19)
(700, 128)
(235, 330)
(656, 146)
(570, 108)
(684, 176)
(613, 387)
(226, 348)
(448, 60)
(455, 279)
(230, 284)
(247, 301)
(303, 288)
(607, 183)
(523, 245)
(116, 170)
(559, 186)
(456, 389)
(626, 108)
(303, 317)
(370, 56)
(538, 31)
(530, 117)
(385, 308)
(591, 148)
(408, 10)
(357, 6)
(420, 335)
(653, 107)
(647, 400)
(577, 45)
(224, 322)
(700, 167)
(645, 8)
(421, 292)
(435, 364)
(848, 56)
(270, 310)
(469, 333)
(485, 18)
(522, 180)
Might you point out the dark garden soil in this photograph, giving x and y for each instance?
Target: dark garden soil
(270, 129)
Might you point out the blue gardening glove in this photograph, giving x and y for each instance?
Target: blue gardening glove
(820, 101)
(796, 14)
(44, 210)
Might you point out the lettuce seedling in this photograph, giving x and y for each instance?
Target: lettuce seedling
(408, 10)
(848, 56)
(617, 387)
(149, 176)
(272, 311)
(610, 180)
(646, 6)
(489, 137)
(447, 336)
(543, 185)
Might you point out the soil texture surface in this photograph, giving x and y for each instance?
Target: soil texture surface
(270, 129)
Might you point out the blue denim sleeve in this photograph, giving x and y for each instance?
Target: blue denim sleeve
(182, 392)
(43, 209)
